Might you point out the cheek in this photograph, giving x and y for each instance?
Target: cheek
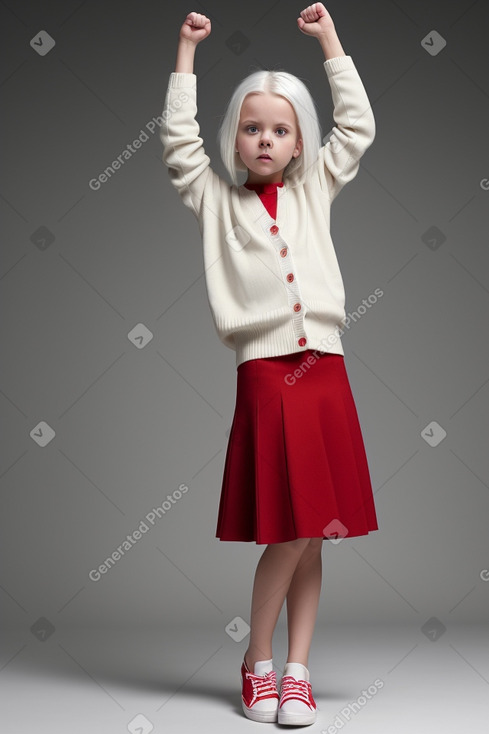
(244, 143)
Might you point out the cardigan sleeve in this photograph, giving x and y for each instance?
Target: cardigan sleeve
(354, 131)
(184, 154)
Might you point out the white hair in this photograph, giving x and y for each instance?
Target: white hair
(295, 91)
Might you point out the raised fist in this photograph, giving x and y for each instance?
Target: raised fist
(195, 27)
(315, 20)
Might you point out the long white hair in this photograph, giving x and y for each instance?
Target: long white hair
(295, 91)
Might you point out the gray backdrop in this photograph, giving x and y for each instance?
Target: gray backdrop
(116, 391)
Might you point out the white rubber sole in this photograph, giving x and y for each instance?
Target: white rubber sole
(263, 717)
(296, 719)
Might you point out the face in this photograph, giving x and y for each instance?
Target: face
(267, 137)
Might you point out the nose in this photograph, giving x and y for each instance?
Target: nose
(266, 141)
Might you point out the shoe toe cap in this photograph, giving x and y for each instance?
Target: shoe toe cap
(266, 704)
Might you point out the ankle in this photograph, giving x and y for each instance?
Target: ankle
(302, 661)
(251, 658)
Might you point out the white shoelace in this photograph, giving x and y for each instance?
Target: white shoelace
(297, 689)
(263, 685)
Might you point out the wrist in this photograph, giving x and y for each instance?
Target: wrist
(185, 56)
(330, 43)
(330, 30)
(327, 37)
(186, 43)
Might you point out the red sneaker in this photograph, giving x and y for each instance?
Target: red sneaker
(296, 706)
(259, 694)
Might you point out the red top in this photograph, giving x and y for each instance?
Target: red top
(268, 195)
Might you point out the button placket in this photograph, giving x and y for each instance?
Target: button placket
(292, 287)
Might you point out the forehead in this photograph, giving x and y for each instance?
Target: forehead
(266, 106)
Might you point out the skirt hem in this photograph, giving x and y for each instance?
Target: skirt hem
(288, 540)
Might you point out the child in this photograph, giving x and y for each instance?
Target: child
(296, 471)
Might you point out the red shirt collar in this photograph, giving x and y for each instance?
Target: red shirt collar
(264, 188)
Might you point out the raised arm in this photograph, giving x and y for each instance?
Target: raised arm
(355, 124)
(316, 21)
(195, 28)
(184, 154)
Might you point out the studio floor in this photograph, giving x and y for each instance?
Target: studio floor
(381, 679)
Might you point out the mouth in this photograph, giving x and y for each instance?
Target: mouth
(264, 158)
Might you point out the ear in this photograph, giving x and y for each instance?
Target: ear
(297, 149)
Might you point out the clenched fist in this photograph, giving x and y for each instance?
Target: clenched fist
(315, 20)
(195, 28)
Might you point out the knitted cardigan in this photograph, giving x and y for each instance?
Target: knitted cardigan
(274, 286)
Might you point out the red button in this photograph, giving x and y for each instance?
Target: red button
(290, 277)
(297, 306)
(302, 341)
(274, 229)
(283, 252)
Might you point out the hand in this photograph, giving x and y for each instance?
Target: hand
(315, 20)
(195, 28)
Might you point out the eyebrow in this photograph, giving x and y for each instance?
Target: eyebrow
(281, 124)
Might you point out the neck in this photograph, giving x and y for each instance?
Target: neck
(265, 182)
(271, 179)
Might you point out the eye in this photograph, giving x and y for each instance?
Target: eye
(284, 131)
(250, 128)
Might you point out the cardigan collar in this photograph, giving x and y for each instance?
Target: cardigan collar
(251, 198)
(264, 188)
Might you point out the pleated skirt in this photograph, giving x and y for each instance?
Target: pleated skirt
(295, 463)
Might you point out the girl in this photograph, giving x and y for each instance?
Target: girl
(296, 471)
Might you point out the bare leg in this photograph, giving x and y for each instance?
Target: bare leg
(302, 602)
(273, 576)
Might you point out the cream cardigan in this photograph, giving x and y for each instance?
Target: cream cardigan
(274, 286)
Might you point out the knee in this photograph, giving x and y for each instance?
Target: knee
(311, 550)
(298, 545)
(306, 544)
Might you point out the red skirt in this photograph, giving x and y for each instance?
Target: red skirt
(295, 463)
